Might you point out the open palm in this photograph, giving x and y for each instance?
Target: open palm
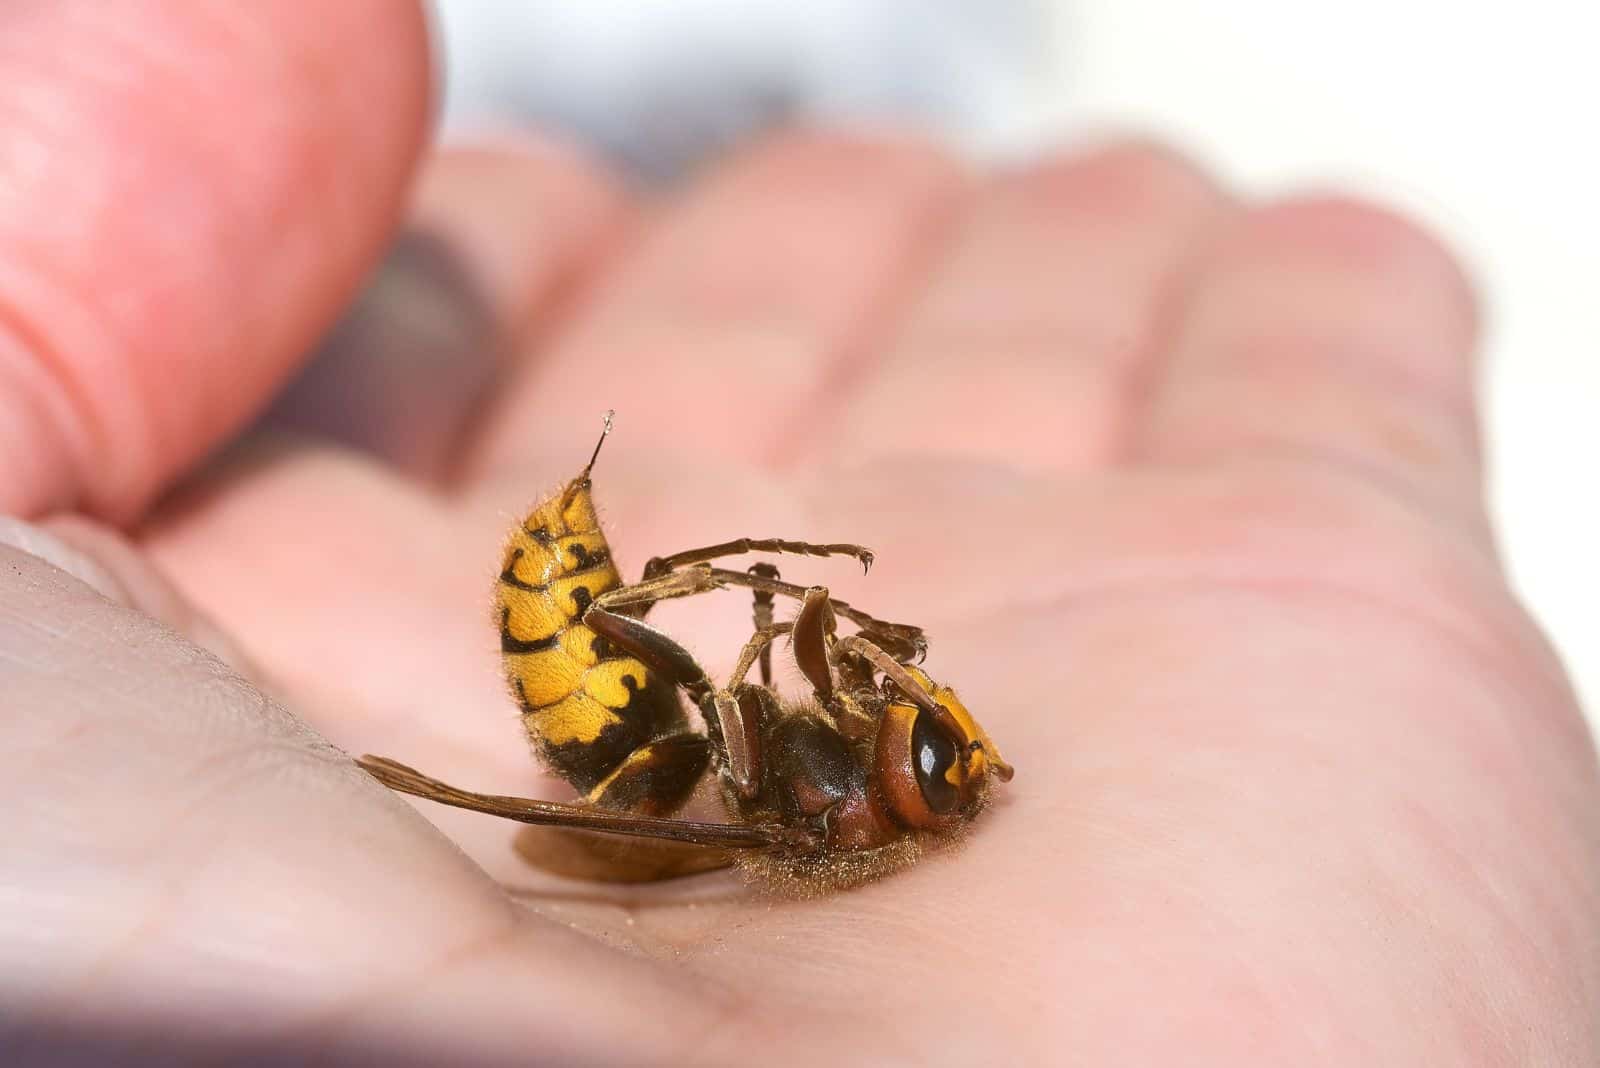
(1185, 493)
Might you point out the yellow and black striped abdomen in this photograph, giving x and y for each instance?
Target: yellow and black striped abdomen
(587, 707)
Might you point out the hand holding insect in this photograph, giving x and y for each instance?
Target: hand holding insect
(1185, 491)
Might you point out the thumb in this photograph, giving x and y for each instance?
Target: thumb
(188, 194)
(189, 873)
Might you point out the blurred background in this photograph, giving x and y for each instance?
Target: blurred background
(1478, 120)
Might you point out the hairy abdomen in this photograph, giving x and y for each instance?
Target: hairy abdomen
(586, 706)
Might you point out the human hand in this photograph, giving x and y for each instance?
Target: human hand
(1185, 491)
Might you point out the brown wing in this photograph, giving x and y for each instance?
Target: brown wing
(408, 780)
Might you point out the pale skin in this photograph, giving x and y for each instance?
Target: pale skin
(1186, 490)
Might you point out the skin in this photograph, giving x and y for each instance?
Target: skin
(1186, 490)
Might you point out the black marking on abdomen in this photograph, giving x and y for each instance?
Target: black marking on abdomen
(509, 575)
(588, 561)
(651, 712)
(510, 643)
(597, 562)
(522, 696)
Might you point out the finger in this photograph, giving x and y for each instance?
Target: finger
(1325, 329)
(175, 236)
(497, 237)
(725, 326)
(214, 872)
(123, 741)
(1028, 342)
(100, 556)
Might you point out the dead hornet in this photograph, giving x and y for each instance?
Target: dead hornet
(819, 794)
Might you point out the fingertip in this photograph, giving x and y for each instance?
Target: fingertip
(1030, 337)
(766, 276)
(1342, 236)
(1333, 332)
(174, 238)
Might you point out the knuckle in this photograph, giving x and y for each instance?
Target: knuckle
(819, 154)
(1129, 177)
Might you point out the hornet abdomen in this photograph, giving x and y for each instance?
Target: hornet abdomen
(591, 711)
